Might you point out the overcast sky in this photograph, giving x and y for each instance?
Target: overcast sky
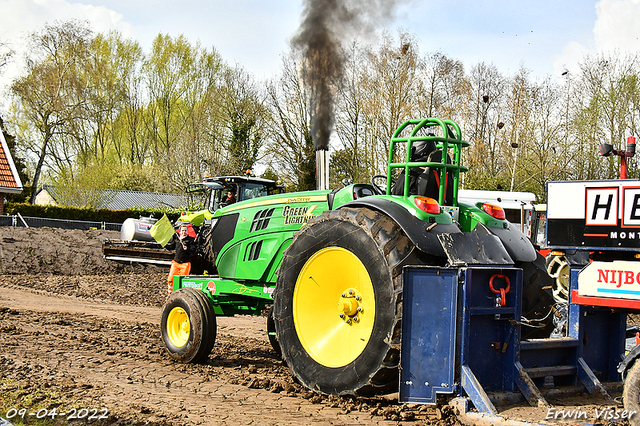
(546, 36)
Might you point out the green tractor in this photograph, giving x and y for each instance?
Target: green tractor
(329, 264)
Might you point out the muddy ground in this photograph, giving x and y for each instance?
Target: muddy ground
(78, 332)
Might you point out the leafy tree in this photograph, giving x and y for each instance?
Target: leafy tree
(112, 65)
(271, 174)
(246, 117)
(51, 93)
(165, 69)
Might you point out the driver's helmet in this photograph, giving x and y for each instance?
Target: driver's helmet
(420, 150)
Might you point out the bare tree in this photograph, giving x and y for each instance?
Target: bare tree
(607, 87)
(6, 53)
(484, 125)
(354, 160)
(291, 148)
(393, 88)
(445, 87)
(246, 117)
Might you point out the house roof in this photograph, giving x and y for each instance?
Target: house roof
(124, 199)
(9, 178)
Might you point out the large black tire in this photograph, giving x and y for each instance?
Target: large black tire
(206, 249)
(271, 332)
(537, 298)
(188, 325)
(340, 330)
(631, 393)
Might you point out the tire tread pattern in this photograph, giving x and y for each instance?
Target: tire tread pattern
(395, 248)
(202, 323)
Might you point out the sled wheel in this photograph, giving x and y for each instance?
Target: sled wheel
(631, 393)
(188, 325)
(558, 269)
(338, 302)
(271, 332)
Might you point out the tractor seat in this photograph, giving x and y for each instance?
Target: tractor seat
(429, 184)
(426, 182)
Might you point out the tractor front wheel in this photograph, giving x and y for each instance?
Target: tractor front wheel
(337, 302)
(188, 325)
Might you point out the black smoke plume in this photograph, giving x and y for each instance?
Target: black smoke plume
(325, 24)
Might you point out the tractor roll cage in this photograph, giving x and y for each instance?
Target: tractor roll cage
(451, 139)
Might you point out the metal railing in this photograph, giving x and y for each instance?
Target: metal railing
(18, 220)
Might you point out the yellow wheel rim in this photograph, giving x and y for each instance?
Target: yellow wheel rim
(334, 307)
(178, 327)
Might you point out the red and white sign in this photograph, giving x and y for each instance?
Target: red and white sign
(619, 279)
(593, 215)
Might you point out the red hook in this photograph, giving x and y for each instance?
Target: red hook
(502, 291)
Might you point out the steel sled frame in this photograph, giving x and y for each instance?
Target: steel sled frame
(460, 341)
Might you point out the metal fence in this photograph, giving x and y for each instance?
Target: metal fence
(43, 222)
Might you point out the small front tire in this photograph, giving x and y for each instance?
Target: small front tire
(188, 326)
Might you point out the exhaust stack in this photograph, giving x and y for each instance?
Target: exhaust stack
(322, 169)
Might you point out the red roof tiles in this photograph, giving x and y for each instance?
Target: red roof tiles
(6, 175)
(9, 179)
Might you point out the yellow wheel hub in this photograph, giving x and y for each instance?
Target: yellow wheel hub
(334, 307)
(178, 327)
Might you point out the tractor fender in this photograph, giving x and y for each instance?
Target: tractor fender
(629, 360)
(515, 242)
(443, 240)
(425, 240)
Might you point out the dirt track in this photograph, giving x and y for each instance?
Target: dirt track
(77, 332)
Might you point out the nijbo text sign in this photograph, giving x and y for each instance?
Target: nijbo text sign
(618, 279)
(594, 215)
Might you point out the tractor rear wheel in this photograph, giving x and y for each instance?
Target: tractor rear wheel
(188, 325)
(337, 303)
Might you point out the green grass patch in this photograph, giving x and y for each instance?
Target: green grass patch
(24, 403)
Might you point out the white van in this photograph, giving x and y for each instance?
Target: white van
(517, 206)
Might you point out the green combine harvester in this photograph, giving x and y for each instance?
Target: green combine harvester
(329, 264)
